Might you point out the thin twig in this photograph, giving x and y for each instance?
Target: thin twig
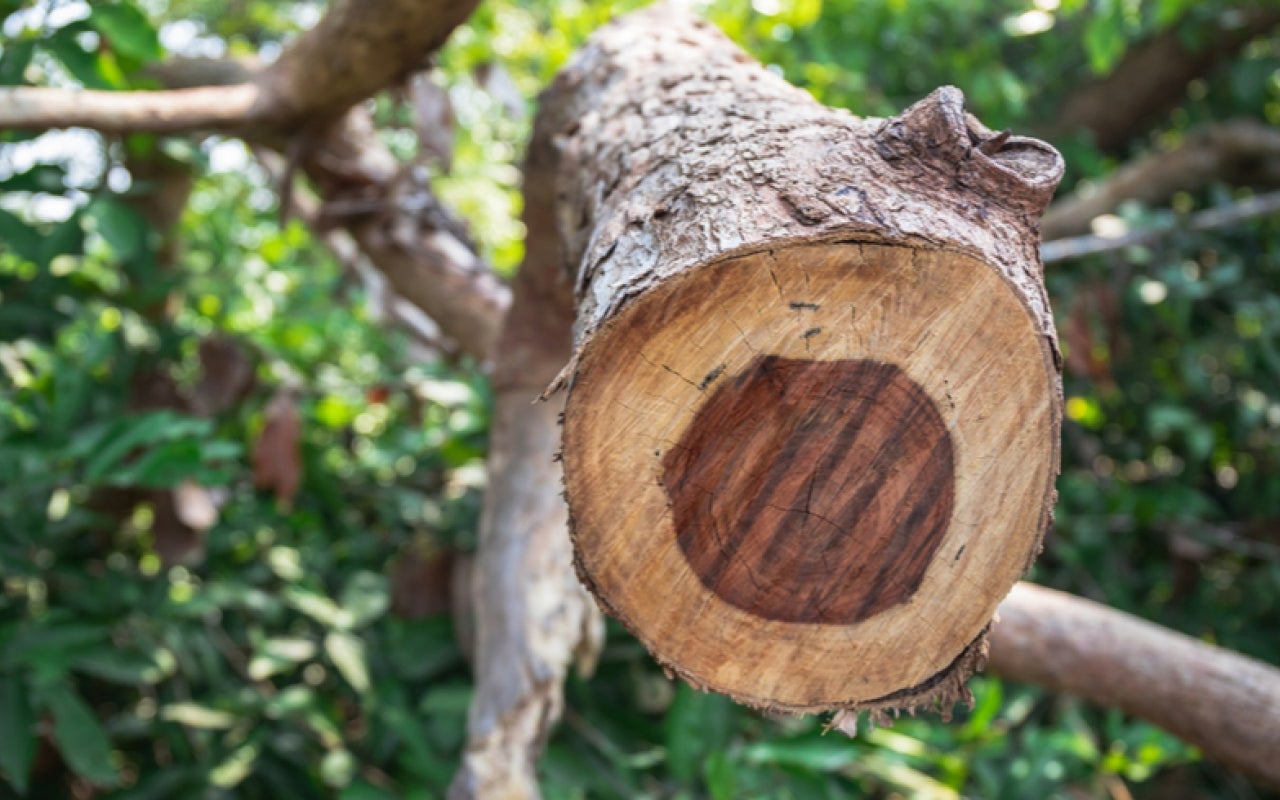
(1262, 205)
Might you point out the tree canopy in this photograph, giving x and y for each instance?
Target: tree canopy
(243, 439)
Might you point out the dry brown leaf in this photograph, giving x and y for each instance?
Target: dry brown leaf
(277, 458)
(421, 581)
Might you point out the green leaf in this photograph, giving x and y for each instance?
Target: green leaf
(1170, 11)
(721, 776)
(818, 755)
(366, 596)
(802, 13)
(86, 67)
(17, 732)
(363, 790)
(124, 228)
(1104, 41)
(39, 178)
(417, 756)
(52, 647)
(989, 694)
(318, 607)
(697, 723)
(127, 30)
(18, 237)
(289, 649)
(127, 667)
(450, 698)
(194, 715)
(420, 650)
(346, 651)
(79, 736)
(117, 442)
(235, 767)
(14, 61)
(167, 783)
(165, 464)
(66, 238)
(337, 768)
(279, 655)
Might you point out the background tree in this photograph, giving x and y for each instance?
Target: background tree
(241, 447)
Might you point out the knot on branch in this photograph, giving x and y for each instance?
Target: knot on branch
(1015, 171)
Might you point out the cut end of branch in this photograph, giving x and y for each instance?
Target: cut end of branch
(805, 477)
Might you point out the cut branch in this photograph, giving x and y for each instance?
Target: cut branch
(1224, 703)
(1152, 77)
(1237, 151)
(782, 434)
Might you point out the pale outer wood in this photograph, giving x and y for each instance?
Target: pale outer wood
(950, 322)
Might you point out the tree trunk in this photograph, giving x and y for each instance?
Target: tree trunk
(531, 617)
(811, 429)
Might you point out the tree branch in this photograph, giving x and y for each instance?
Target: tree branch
(359, 48)
(1207, 220)
(412, 240)
(1236, 149)
(1224, 703)
(1153, 76)
(205, 108)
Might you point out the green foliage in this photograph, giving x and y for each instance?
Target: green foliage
(279, 663)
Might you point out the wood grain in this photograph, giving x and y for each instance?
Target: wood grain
(950, 324)
(812, 491)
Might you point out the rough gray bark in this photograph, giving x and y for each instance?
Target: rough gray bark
(532, 618)
(678, 152)
(687, 127)
(1225, 703)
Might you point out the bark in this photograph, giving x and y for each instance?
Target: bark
(358, 48)
(206, 108)
(1224, 703)
(777, 442)
(1237, 151)
(532, 618)
(1152, 78)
